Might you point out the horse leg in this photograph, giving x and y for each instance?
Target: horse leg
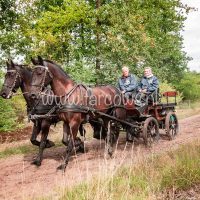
(112, 136)
(82, 130)
(71, 132)
(35, 132)
(77, 141)
(49, 143)
(44, 134)
(79, 145)
(65, 138)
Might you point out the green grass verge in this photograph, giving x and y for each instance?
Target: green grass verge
(22, 149)
(187, 109)
(179, 170)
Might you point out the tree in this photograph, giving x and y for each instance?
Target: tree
(8, 19)
(102, 35)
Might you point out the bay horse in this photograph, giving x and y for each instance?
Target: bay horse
(73, 98)
(19, 76)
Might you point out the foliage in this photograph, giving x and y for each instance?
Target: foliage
(190, 86)
(164, 87)
(8, 28)
(19, 107)
(136, 33)
(7, 116)
(12, 112)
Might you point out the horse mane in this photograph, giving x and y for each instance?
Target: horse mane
(52, 62)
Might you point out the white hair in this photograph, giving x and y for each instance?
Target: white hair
(148, 68)
(125, 68)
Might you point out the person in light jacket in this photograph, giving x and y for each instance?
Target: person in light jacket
(149, 83)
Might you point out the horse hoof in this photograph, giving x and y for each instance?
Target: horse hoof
(36, 162)
(111, 154)
(81, 149)
(62, 167)
(49, 144)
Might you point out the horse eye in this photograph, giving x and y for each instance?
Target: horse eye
(10, 74)
(39, 73)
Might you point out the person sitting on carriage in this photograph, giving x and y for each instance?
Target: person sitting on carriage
(127, 83)
(148, 85)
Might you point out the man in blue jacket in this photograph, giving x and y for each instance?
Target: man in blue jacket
(127, 83)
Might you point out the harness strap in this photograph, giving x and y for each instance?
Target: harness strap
(14, 82)
(46, 68)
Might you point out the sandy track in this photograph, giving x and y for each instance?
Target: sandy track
(21, 180)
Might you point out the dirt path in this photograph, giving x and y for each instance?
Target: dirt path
(11, 136)
(21, 180)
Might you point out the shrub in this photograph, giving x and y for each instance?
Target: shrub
(12, 113)
(7, 115)
(164, 87)
(190, 86)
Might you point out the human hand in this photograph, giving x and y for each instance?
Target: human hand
(144, 90)
(123, 91)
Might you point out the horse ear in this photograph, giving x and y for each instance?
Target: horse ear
(12, 64)
(40, 60)
(33, 61)
(8, 65)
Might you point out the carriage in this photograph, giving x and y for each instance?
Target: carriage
(147, 119)
(152, 116)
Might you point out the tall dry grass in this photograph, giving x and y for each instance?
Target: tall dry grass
(148, 179)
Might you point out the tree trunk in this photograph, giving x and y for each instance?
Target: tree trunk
(98, 65)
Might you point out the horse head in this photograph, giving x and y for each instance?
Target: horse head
(41, 77)
(12, 81)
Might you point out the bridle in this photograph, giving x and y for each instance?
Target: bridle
(41, 86)
(14, 82)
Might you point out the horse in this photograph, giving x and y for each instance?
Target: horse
(19, 76)
(77, 102)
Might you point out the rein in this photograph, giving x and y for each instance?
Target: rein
(21, 93)
(68, 94)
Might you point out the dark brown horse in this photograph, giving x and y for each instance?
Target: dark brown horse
(19, 76)
(77, 102)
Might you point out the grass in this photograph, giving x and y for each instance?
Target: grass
(177, 170)
(187, 109)
(22, 149)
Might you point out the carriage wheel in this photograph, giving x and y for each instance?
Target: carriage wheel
(150, 131)
(171, 125)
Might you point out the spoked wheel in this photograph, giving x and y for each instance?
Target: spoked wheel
(150, 131)
(171, 125)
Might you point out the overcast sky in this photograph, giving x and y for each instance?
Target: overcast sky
(191, 35)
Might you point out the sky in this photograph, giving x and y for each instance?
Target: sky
(191, 35)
